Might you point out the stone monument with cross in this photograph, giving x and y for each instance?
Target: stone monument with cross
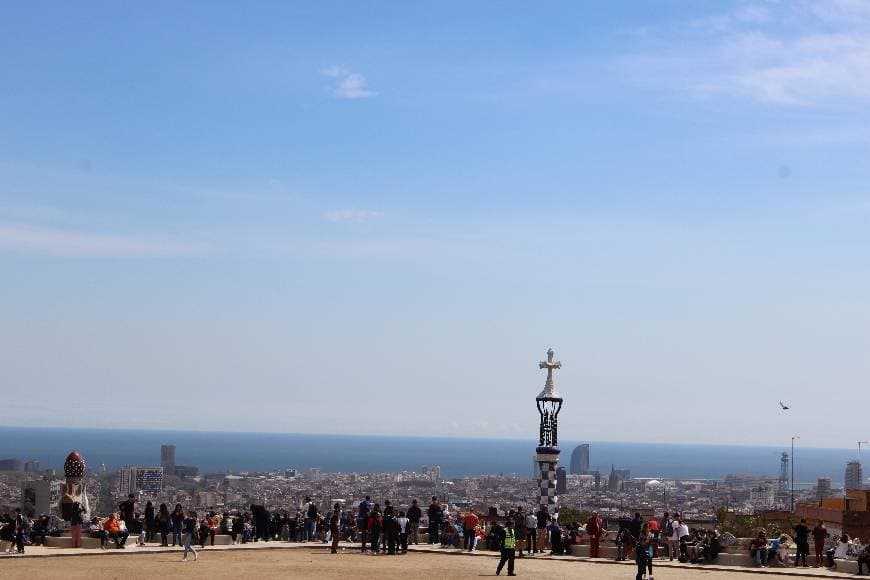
(549, 403)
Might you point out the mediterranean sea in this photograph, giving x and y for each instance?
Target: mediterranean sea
(228, 451)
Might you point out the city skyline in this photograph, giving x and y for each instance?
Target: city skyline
(257, 219)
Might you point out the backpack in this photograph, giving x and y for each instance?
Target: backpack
(669, 530)
(312, 510)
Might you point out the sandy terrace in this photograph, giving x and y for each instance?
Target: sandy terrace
(305, 562)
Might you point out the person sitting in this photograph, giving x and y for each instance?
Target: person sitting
(841, 550)
(113, 529)
(94, 529)
(773, 549)
(39, 530)
(709, 547)
(7, 532)
(758, 549)
(864, 560)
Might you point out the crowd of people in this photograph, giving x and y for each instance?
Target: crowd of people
(382, 529)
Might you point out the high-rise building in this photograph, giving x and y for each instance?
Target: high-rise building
(31, 466)
(148, 480)
(42, 496)
(167, 459)
(561, 481)
(823, 488)
(854, 475)
(580, 460)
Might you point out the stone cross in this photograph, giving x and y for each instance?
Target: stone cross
(550, 364)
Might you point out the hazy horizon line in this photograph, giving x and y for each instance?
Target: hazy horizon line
(572, 442)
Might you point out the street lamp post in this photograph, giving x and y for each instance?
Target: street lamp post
(792, 471)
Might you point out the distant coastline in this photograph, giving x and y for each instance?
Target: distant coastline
(247, 451)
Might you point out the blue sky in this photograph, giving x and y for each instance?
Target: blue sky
(375, 217)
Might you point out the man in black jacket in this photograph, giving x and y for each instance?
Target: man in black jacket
(543, 519)
(414, 515)
(507, 545)
(390, 527)
(802, 542)
(435, 514)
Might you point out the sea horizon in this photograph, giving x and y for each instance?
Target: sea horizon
(238, 451)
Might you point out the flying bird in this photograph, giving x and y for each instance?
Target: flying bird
(784, 407)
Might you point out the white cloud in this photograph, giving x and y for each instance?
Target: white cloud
(347, 84)
(800, 55)
(352, 215)
(74, 243)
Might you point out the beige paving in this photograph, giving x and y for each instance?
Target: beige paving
(281, 560)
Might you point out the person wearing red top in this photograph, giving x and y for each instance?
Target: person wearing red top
(469, 524)
(654, 532)
(113, 529)
(594, 527)
(820, 534)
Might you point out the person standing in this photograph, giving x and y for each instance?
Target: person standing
(531, 524)
(594, 527)
(543, 517)
(435, 513)
(802, 540)
(310, 520)
(674, 538)
(128, 512)
(365, 507)
(642, 552)
(520, 529)
(507, 544)
(667, 530)
(335, 527)
(189, 529)
(403, 522)
(414, 515)
(20, 526)
(76, 520)
(164, 522)
(820, 534)
(374, 528)
(654, 530)
(634, 529)
(469, 525)
(149, 521)
(177, 524)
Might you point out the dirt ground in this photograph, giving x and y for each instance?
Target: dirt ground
(311, 563)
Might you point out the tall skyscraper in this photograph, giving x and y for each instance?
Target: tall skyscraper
(561, 481)
(854, 475)
(580, 460)
(167, 458)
